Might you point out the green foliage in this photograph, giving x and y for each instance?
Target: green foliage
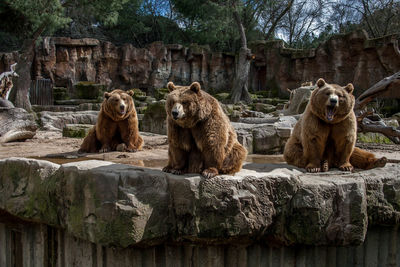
(25, 17)
(38, 12)
(161, 93)
(375, 138)
(89, 90)
(222, 96)
(208, 22)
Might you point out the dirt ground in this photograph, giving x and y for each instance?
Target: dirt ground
(53, 147)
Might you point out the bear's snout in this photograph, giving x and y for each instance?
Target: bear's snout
(175, 114)
(122, 107)
(177, 111)
(333, 100)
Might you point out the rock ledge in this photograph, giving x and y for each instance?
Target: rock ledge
(123, 205)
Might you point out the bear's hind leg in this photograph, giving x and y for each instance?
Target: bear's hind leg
(196, 162)
(90, 144)
(293, 153)
(177, 161)
(233, 162)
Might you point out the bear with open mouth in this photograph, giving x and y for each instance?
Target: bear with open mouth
(326, 133)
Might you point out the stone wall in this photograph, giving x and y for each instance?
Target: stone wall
(342, 59)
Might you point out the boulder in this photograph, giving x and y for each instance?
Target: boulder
(16, 124)
(76, 130)
(55, 121)
(89, 90)
(265, 108)
(123, 205)
(154, 119)
(298, 100)
(266, 135)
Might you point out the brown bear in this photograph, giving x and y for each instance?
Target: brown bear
(200, 136)
(326, 133)
(116, 127)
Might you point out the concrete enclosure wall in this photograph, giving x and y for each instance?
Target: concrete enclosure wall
(40, 245)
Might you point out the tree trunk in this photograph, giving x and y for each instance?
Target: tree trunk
(240, 90)
(364, 123)
(377, 89)
(20, 93)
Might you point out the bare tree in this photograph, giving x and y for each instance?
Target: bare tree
(240, 85)
(302, 20)
(378, 17)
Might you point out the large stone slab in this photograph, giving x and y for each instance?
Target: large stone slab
(265, 138)
(16, 124)
(122, 205)
(55, 121)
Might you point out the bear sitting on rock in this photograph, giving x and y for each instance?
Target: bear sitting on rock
(116, 127)
(200, 136)
(326, 133)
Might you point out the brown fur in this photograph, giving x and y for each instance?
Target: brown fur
(320, 142)
(116, 127)
(201, 139)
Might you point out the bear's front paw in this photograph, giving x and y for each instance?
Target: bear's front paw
(312, 168)
(347, 167)
(210, 173)
(104, 149)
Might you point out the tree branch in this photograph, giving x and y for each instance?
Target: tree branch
(273, 26)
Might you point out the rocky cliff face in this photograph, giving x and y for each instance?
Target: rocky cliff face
(342, 59)
(67, 61)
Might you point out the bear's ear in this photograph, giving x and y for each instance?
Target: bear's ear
(171, 86)
(349, 88)
(130, 92)
(107, 95)
(320, 82)
(195, 87)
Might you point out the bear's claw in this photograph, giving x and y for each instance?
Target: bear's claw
(210, 173)
(346, 168)
(313, 170)
(104, 150)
